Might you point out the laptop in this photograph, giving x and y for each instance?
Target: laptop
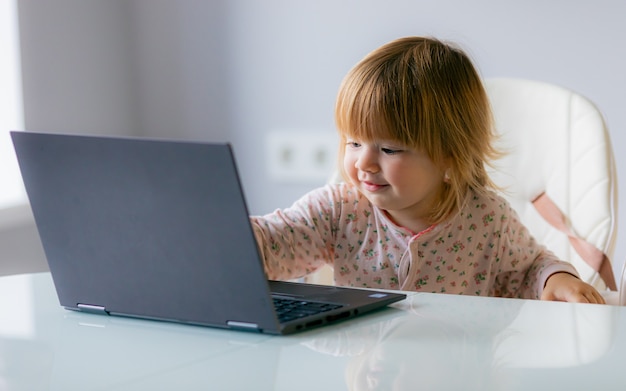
(159, 229)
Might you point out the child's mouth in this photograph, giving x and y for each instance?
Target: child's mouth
(372, 187)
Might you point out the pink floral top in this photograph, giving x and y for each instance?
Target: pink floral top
(483, 250)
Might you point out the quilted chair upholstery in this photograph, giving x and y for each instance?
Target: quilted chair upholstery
(557, 145)
(557, 151)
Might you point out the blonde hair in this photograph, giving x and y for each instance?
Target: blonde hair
(427, 95)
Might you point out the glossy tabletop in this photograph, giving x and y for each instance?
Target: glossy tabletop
(427, 342)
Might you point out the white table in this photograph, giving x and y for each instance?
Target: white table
(427, 342)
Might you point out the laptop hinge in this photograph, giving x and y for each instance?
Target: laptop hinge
(92, 309)
(243, 325)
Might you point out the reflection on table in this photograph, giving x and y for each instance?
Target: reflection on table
(429, 342)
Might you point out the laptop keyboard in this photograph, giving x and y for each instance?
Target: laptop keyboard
(289, 309)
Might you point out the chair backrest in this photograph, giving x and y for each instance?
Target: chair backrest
(557, 146)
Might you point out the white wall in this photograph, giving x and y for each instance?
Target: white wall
(76, 64)
(238, 69)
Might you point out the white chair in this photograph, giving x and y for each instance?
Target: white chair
(558, 164)
(559, 156)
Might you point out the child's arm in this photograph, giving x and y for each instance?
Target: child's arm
(566, 287)
(288, 250)
(549, 277)
(298, 240)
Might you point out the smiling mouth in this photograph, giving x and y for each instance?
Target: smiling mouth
(372, 187)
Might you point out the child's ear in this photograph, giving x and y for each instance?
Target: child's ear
(447, 170)
(446, 175)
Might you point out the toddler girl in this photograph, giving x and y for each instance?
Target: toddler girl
(417, 210)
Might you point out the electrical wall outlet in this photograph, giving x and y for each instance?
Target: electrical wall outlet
(301, 157)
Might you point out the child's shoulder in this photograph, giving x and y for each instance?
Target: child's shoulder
(489, 200)
(336, 200)
(339, 189)
(489, 197)
(334, 193)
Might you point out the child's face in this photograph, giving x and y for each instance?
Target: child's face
(400, 180)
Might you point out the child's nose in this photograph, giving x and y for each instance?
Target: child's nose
(367, 161)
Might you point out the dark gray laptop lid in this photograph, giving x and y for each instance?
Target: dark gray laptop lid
(108, 249)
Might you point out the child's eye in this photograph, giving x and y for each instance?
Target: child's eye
(353, 144)
(389, 151)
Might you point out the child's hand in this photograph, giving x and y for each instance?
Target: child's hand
(566, 287)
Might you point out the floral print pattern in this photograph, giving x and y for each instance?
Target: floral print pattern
(482, 250)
